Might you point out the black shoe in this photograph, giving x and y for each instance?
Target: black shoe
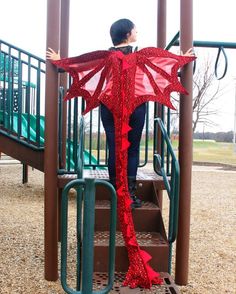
(136, 202)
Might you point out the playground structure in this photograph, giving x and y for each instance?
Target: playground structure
(51, 154)
(23, 111)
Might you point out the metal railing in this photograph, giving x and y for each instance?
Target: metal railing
(221, 46)
(95, 145)
(171, 180)
(22, 78)
(85, 236)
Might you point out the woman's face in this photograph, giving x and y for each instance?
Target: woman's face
(132, 36)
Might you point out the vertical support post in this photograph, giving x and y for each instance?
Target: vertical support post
(88, 237)
(161, 43)
(51, 146)
(64, 44)
(185, 148)
(25, 172)
(161, 23)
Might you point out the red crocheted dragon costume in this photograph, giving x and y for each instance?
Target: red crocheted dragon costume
(123, 82)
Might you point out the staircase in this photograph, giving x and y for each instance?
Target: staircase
(149, 228)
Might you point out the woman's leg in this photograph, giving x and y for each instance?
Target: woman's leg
(137, 120)
(108, 124)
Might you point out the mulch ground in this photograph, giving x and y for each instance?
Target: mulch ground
(213, 239)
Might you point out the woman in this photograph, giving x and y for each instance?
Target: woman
(123, 32)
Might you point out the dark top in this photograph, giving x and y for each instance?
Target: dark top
(126, 49)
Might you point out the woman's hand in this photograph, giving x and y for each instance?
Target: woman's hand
(51, 54)
(189, 52)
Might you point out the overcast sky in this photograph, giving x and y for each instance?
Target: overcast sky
(23, 23)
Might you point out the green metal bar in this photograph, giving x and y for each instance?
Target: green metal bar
(3, 63)
(69, 137)
(99, 136)
(90, 136)
(79, 236)
(11, 85)
(81, 149)
(173, 41)
(19, 96)
(60, 115)
(38, 134)
(210, 44)
(75, 134)
(9, 94)
(64, 229)
(171, 184)
(221, 49)
(28, 98)
(22, 51)
(17, 121)
(88, 236)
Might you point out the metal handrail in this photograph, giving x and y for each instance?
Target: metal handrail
(214, 44)
(20, 103)
(171, 183)
(85, 236)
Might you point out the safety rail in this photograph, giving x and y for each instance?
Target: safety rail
(221, 49)
(22, 78)
(85, 236)
(95, 145)
(161, 167)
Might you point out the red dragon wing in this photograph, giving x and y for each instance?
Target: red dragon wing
(88, 72)
(156, 75)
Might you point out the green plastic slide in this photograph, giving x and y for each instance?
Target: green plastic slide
(32, 132)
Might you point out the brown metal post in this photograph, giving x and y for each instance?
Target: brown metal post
(51, 145)
(64, 44)
(185, 149)
(161, 23)
(161, 43)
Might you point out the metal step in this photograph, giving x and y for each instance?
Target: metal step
(146, 218)
(168, 287)
(152, 242)
(142, 177)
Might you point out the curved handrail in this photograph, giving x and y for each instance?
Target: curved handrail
(85, 235)
(171, 182)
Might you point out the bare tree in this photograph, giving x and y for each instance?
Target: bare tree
(206, 90)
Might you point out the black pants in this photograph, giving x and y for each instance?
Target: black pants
(134, 136)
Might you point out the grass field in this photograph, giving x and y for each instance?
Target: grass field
(213, 152)
(203, 152)
(208, 151)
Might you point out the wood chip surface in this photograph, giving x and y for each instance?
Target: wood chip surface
(212, 267)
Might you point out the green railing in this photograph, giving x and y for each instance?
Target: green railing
(21, 94)
(221, 46)
(95, 145)
(171, 181)
(85, 236)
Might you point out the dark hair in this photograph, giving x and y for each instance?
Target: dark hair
(120, 29)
